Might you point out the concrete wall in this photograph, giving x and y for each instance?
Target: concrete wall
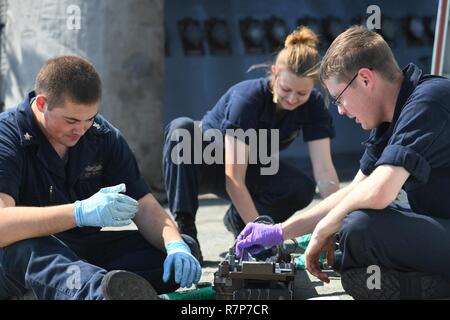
(123, 39)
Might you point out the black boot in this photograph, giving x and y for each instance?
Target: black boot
(233, 221)
(395, 285)
(124, 285)
(193, 245)
(186, 225)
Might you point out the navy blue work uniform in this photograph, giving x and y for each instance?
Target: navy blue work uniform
(249, 105)
(417, 139)
(34, 175)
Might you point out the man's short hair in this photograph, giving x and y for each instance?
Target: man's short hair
(357, 48)
(68, 77)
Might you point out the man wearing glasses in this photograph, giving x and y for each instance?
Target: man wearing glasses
(409, 148)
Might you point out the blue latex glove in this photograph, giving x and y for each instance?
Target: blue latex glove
(256, 236)
(187, 268)
(106, 208)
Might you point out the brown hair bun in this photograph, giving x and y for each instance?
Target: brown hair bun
(303, 35)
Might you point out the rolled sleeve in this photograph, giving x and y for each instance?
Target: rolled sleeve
(367, 163)
(319, 131)
(420, 141)
(413, 162)
(227, 124)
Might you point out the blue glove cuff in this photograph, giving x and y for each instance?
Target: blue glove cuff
(177, 246)
(77, 213)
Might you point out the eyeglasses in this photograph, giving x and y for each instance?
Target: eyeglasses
(336, 101)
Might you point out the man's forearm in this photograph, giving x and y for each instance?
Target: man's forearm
(375, 192)
(154, 223)
(305, 222)
(20, 223)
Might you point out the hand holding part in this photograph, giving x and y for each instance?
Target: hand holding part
(256, 236)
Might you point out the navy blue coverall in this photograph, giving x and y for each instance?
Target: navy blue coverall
(33, 174)
(417, 139)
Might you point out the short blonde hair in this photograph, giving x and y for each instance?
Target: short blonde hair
(357, 48)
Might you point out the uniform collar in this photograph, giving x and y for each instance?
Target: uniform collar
(412, 75)
(29, 130)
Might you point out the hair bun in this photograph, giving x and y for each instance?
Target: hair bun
(303, 35)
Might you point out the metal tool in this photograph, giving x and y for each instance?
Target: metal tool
(272, 279)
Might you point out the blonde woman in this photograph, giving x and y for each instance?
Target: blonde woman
(287, 101)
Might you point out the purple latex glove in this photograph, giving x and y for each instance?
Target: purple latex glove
(256, 236)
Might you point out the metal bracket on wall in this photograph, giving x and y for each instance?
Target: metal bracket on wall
(3, 10)
(439, 65)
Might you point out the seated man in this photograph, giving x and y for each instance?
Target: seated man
(56, 153)
(409, 148)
